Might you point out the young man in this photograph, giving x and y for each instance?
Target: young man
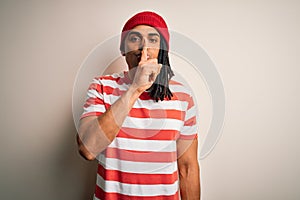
(141, 125)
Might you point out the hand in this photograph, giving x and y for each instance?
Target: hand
(146, 72)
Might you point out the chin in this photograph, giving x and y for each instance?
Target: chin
(132, 62)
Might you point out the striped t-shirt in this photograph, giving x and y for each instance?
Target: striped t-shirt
(141, 162)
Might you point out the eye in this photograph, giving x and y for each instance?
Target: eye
(153, 40)
(134, 38)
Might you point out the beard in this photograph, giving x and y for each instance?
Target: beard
(133, 58)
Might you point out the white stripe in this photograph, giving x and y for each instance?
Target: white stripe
(113, 84)
(137, 167)
(172, 104)
(191, 113)
(95, 108)
(137, 189)
(180, 88)
(110, 98)
(148, 104)
(189, 130)
(93, 93)
(152, 123)
(151, 104)
(116, 75)
(97, 81)
(144, 145)
(124, 86)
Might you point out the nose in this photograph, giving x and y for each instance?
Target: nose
(143, 44)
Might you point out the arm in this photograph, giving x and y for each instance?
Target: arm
(96, 133)
(188, 167)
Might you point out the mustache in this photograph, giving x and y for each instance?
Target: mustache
(136, 53)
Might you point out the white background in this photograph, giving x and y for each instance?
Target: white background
(254, 44)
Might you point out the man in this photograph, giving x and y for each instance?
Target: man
(141, 125)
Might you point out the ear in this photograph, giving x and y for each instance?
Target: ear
(123, 53)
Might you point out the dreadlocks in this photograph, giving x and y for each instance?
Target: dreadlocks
(160, 88)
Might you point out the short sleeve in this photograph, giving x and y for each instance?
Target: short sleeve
(94, 103)
(189, 130)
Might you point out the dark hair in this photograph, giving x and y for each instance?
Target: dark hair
(160, 88)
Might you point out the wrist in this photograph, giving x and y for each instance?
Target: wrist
(134, 91)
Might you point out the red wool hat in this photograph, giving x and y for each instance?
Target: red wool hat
(146, 18)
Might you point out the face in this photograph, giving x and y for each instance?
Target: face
(140, 37)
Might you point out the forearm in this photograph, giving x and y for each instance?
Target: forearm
(96, 133)
(111, 121)
(189, 177)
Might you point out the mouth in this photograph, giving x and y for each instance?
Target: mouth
(138, 56)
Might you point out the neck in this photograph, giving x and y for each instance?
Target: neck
(131, 73)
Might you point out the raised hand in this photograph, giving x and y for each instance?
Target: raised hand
(146, 72)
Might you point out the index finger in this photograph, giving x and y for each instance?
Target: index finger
(144, 54)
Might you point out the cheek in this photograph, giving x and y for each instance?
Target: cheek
(131, 60)
(130, 47)
(154, 52)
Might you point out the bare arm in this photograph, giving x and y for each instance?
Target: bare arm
(96, 133)
(189, 172)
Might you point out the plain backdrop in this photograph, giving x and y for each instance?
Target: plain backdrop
(254, 44)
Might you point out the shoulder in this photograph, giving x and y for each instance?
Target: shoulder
(111, 79)
(179, 87)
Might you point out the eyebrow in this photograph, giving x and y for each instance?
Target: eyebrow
(153, 34)
(139, 34)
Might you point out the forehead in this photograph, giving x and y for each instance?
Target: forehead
(144, 29)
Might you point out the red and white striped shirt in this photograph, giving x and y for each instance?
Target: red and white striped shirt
(141, 162)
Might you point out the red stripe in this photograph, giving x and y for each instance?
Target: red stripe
(190, 122)
(172, 82)
(136, 178)
(95, 86)
(117, 92)
(110, 90)
(188, 137)
(91, 114)
(118, 80)
(140, 156)
(93, 101)
(113, 91)
(183, 97)
(107, 77)
(149, 134)
(156, 113)
(99, 193)
(145, 96)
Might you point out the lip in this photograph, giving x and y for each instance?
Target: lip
(139, 55)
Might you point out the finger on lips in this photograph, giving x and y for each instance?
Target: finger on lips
(155, 67)
(144, 55)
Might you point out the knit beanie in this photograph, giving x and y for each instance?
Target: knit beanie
(146, 18)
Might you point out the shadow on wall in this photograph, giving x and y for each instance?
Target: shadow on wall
(116, 66)
(70, 167)
(75, 177)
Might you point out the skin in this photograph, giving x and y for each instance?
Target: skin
(141, 52)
